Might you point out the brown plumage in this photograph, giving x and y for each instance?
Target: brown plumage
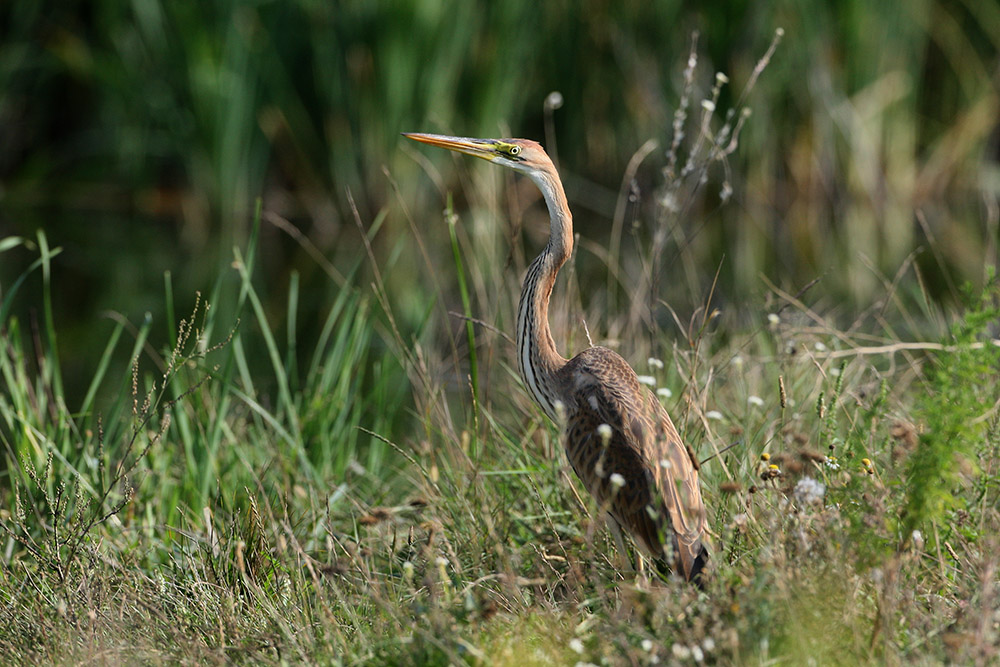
(612, 424)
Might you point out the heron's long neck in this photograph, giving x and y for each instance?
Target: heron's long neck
(537, 357)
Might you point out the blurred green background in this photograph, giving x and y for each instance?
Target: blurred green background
(139, 134)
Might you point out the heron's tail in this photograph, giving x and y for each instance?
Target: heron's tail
(697, 566)
(665, 567)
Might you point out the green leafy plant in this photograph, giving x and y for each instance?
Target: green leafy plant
(958, 396)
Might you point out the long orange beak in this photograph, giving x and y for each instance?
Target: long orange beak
(481, 148)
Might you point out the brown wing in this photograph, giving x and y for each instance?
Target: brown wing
(660, 503)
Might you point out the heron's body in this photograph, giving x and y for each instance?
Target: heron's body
(660, 503)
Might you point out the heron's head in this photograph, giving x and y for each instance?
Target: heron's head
(523, 155)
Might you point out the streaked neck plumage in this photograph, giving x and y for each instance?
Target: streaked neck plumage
(537, 357)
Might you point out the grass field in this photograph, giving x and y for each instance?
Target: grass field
(196, 519)
(331, 459)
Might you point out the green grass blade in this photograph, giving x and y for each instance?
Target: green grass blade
(291, 364)
(470, 329)
(168, 292)
(54, 368)
(102, 368)
(281, 377)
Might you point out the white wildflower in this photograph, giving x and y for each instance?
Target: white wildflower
(832, 463)
(738, 361)
(714, 414)
(809, 491)
(576, 645)
(617, 480)
(773, 319)
(755, 401)
(647, 645)
(819, 346)
(669, 202)
(680, 651)
(161, 582)
(918, 540)
(604, 432)
(708, 644)
(835, 372)
(655, 363)
(708, 105)
(664, 392)
(721, 78)
(725, 193)
(697, 654)
(647, 379)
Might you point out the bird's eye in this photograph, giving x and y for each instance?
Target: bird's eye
(514, 150)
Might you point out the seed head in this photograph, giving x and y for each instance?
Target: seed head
(808, 491)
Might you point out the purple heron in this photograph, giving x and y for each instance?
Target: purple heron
(618, 438)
